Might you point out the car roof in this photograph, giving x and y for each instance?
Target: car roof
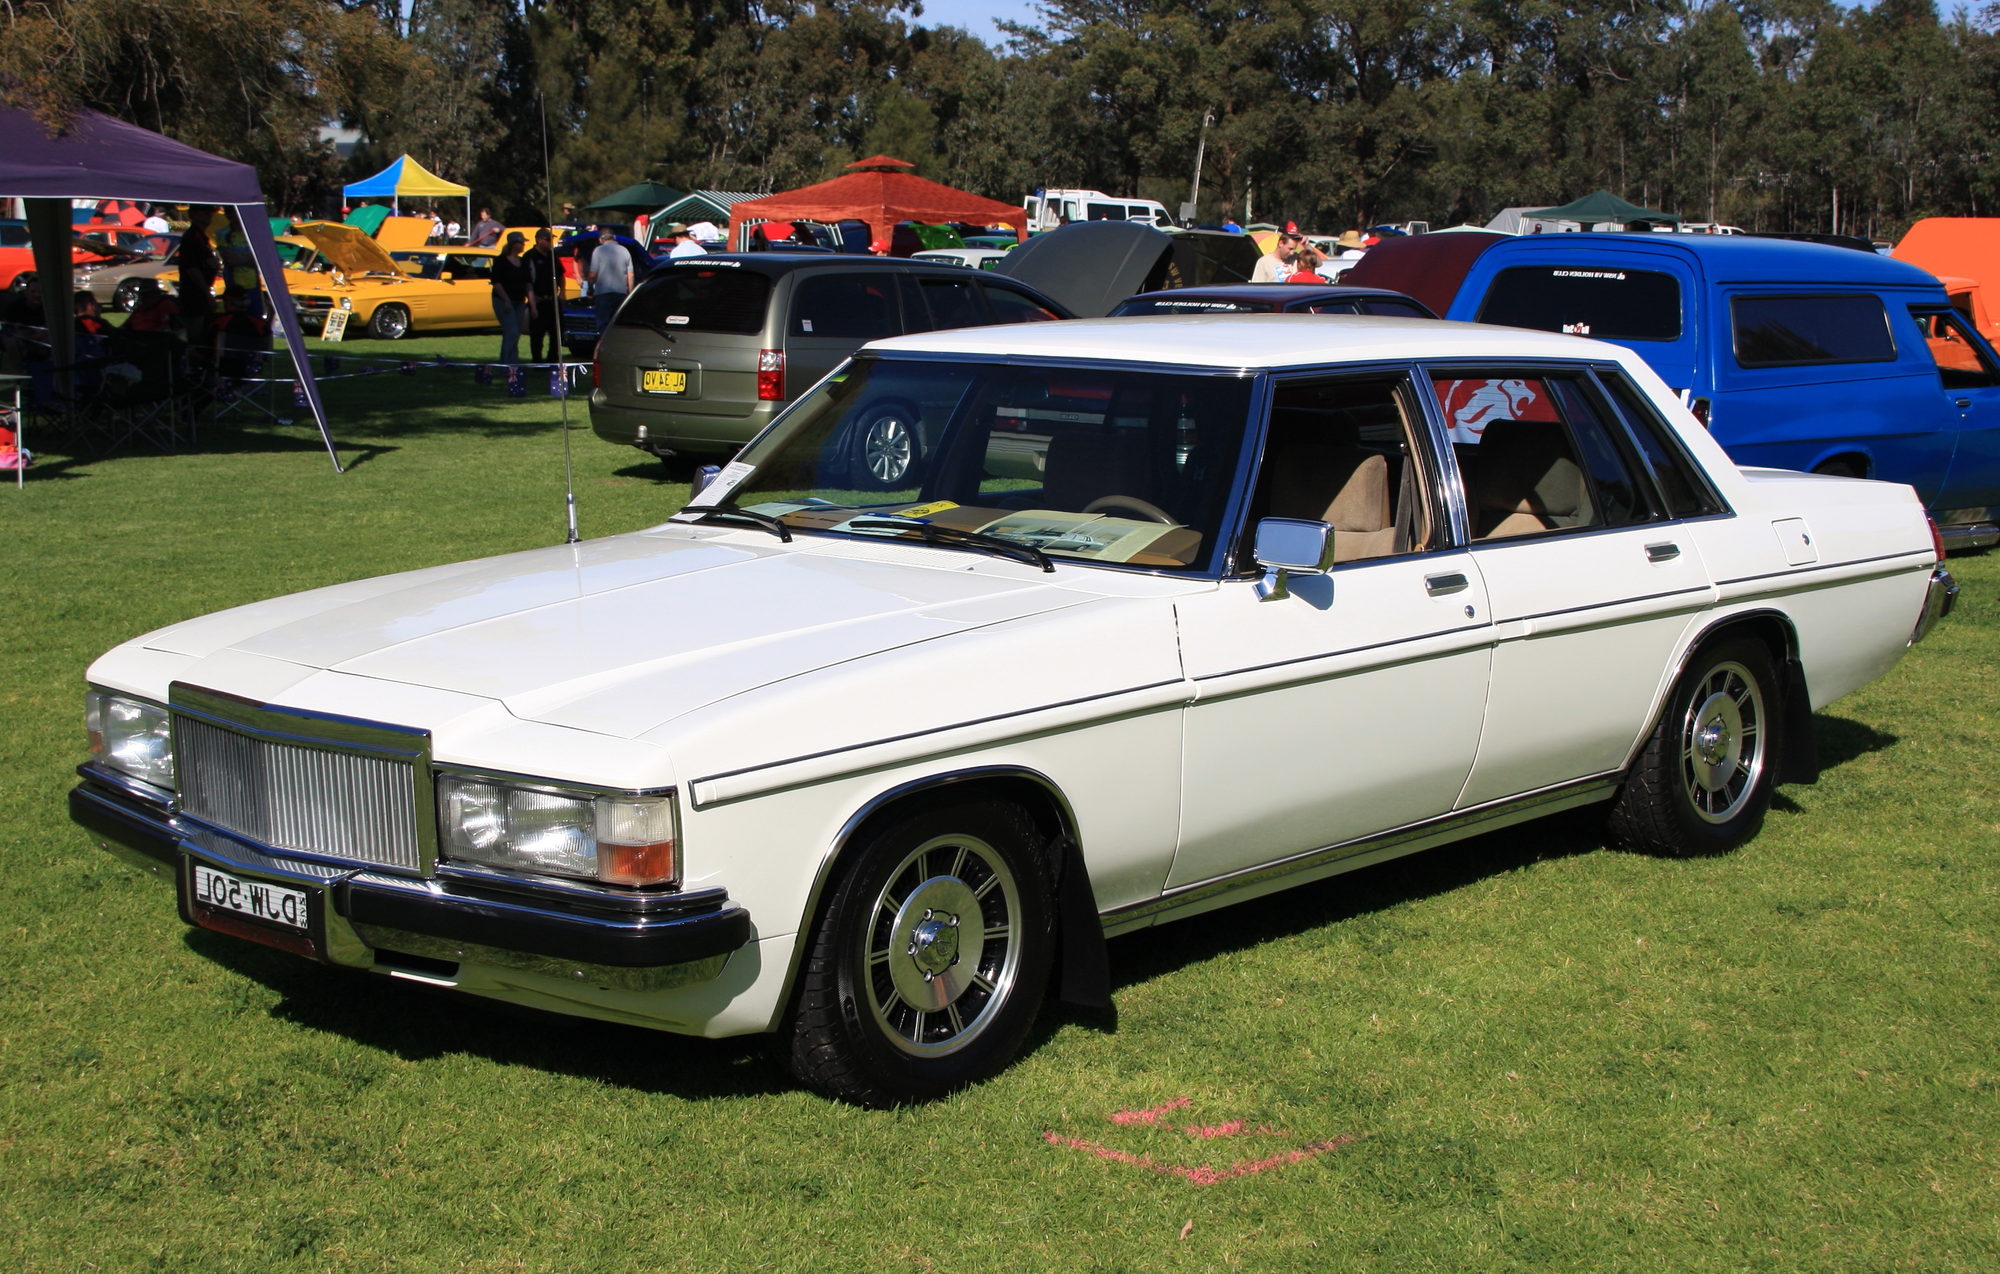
(1252, 341)
(777, 261)
(1731, 258)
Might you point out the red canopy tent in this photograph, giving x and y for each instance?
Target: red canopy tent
(877, 195)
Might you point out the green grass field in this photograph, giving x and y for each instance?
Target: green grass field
(1529, 1051)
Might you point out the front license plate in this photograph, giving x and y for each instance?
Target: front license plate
(273, 904)
(662, 381)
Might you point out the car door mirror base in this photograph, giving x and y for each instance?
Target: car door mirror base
(1285, 545)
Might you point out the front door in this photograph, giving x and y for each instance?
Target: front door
(1591, 581)
(1354, 705)
(1968, 378)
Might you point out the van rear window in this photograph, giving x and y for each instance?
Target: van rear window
(1800, 331)
(1586, 300)
(691, 299)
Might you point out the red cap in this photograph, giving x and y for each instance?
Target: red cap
(1291, 227)
(880, 247)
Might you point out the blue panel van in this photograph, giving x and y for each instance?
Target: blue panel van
(1795, 355)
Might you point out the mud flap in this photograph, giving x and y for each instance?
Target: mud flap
(1800, 763)
(1086, 967)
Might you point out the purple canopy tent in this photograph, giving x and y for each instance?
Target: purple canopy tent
(98, 157)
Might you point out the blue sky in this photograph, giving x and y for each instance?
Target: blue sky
(976, 16)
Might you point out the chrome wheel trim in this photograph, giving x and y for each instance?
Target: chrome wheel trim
(125, 295)
(887, 448)
(1723, 743)
(943, 946)
(394, 322)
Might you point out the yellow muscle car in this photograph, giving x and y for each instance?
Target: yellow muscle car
(393, 294)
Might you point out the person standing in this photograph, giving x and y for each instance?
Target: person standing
(610, 278)
(513, 297)
(196, 259)
(683, 242)
(486, 231)
(546, 288)
(239, 264)
(154, 222)
(1279, 264)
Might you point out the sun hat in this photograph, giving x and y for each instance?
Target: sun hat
(515, 236)
(673, 228)
(1349, 239)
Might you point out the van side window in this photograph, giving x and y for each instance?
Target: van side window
(1344, 452)
(948, 303)
(1806, 331)
(1960, 362)
(1537, 456)
(1106, 211)
(1686, 492)
(1606, 302)
(851, 305)
(1010, 306)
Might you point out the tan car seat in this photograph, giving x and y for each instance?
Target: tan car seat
(1344, 486)
(1525, 480)
(1086, 465)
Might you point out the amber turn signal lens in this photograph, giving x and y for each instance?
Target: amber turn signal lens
(636, 864)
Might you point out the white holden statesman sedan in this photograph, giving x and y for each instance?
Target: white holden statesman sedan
(1166, 614)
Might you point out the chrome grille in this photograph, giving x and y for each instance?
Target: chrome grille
(289, 796)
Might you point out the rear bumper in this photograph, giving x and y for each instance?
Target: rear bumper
(629, 940)
(677, 430)
(1969, 535)
(1938, 601)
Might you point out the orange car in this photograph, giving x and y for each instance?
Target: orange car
(1964, 253)
(17, 258)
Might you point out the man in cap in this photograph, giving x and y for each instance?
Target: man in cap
(683, 243)
(610, 278)
(1277, 265)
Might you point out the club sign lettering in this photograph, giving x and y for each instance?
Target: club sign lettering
(254, 898)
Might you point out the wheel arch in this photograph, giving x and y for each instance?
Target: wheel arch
(1846, 451)
(1032, 790)
(1775, 629)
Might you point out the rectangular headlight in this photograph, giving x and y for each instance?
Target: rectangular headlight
(130, 736)
(551, 831)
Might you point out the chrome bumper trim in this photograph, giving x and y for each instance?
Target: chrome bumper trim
(1969, 535)
(1938, 601)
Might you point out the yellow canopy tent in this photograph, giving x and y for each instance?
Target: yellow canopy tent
(406, 178)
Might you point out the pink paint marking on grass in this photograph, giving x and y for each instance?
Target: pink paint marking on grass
(1202, 1175)
(1149, 1116)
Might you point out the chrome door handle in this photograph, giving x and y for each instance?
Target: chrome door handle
(1662, 552)
(1441, 585)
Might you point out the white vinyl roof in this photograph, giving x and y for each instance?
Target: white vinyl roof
(1255, 340)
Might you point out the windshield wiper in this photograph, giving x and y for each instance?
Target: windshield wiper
(957, 537)
(764, 520)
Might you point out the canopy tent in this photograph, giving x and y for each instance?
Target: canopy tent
(408, 179)
(644, 197)
(1596, 208)
(703, 205)
(98, 157)
(877, 197)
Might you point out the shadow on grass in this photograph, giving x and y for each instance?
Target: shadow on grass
(1842, 740)
(418, 1023)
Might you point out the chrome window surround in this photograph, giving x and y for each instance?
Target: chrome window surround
(320, 732)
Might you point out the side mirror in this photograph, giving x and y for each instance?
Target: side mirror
(446, 276)
(1285, 545)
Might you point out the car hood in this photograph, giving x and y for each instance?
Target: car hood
(351, 251)
(619, 636)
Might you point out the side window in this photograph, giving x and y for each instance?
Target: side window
(1605, 302)
(1106, 211)
(1537, 456)
(1680, 481)
(1803, 331)
(1323, 307)
(1346, 452)
(1960, 362)
(469, 267)
(949, 303)
(1010, 306)
(848, 305)
(1398, 309)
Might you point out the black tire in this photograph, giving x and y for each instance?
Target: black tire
(21, 281)
(389, 323)
(125, 295)
(1703, 781)
(886, 447)
(894, 918)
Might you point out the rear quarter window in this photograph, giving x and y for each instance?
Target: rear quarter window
(726, 301)
(1605, 302)
(1807, 331)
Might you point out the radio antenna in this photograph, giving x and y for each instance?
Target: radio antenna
(562, 367)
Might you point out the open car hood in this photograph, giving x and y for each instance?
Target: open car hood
(351, 251)
(1088, 266)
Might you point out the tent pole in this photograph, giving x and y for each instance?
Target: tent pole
(257, 229)
(49, 226)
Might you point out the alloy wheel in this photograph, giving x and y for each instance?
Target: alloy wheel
(1723, 742)
(943, 945)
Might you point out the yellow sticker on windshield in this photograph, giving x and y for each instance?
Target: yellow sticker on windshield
(925, 510)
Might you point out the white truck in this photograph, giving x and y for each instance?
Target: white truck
(1048, 209)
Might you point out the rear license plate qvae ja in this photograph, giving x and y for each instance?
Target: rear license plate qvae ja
(660, 380)
(262, 911)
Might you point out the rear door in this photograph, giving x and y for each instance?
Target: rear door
(834, 312)
(707, 324)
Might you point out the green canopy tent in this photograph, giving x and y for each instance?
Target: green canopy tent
(637, 201)
(1599, 207)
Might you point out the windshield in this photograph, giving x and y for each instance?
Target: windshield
(1128, 467)
(1141, 305)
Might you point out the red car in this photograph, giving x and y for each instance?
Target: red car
(17, 259)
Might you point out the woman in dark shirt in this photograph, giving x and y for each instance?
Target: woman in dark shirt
(513, 297)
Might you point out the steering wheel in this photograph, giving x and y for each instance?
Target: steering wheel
(1151, 512)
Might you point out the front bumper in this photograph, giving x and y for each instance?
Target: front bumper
(619, 939)
(1938, 601)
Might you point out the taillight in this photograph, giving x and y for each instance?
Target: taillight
(596, 370)
(1937, 539)
(770, 375)
(1700, 410)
